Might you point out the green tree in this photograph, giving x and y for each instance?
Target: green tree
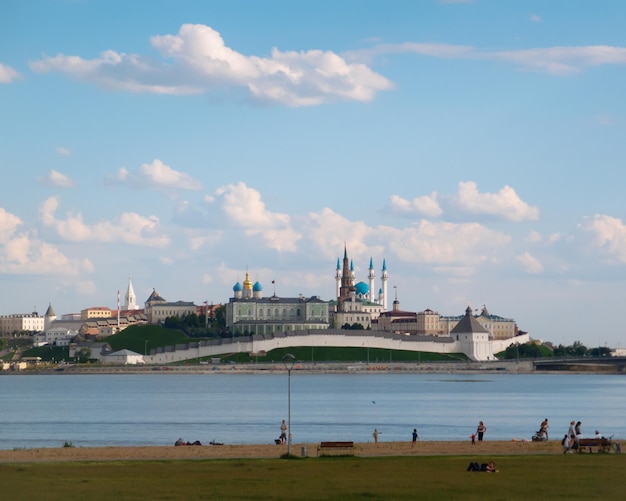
(83, 355)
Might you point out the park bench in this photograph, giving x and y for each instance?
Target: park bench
(347, 447)
(601, 444)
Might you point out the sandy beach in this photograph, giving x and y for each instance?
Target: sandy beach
(191, 452)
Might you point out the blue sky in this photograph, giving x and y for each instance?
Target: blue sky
(477, 146)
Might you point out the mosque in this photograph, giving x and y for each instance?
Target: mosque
(248, 311)
(357, 302)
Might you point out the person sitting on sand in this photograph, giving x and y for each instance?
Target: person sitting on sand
(180, 441)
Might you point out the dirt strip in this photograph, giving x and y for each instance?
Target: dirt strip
(187, 452)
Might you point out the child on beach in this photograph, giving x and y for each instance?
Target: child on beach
(473, 437)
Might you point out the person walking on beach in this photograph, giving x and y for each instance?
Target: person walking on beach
(375, 435)
(544, 428)
(579, 433)
(416, 437)
(480, 431)
(283, 432)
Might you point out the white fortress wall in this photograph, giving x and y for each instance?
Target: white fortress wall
(478, 351)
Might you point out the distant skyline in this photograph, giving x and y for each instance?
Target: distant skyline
(477, 146)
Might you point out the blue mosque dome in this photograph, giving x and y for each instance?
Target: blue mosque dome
(237, 287)
(257, 287)
(362, 289)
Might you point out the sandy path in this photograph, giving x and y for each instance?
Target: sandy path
(271, 451)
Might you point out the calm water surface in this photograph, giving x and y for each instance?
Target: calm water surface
(156, 409)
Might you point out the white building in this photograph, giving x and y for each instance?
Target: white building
(250, 313)
(157, 309)
(21, 322)
(55, 336)
(123, 357)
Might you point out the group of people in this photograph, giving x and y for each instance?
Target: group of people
(180, 442)
(480, 432)
(573, 435)
(414, 436)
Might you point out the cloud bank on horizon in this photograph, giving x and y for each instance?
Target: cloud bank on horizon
(155, 165)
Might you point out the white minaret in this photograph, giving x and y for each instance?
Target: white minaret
(352, 274)
(384, 278)
(130, 298)
(338, 277)
(371, 276)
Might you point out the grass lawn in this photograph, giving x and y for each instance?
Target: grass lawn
(589, 476)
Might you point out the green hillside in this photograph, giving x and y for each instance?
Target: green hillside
(134, 338)
(332, 354)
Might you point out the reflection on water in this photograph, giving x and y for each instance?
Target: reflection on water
(156, 409)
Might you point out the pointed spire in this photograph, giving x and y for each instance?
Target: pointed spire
(338, 264)
(50, 311)
(130, 300)
(371, 264)
(384, 265)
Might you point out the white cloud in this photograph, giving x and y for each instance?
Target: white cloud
(203, 63)
(533, 237)
(57, 179)
(129, 228)
(552, 60)
(25, 255)
(244, 208)
(535, 18)
(156, 175)
(468, 244)
(608, 236)
(419, 206)
(328, 231)
(530, 263)
(63, 151)
(8, 224)
(504, 204)
(22, 254)
(7, 74)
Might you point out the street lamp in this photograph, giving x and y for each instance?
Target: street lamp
(145, 348)
(289, 360)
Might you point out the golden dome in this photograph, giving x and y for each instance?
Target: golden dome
(247, 283)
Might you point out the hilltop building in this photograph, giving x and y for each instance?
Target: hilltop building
(248, 312)
(157, 309)
(431, 323)
(21, 322)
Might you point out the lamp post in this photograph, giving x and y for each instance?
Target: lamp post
(145, 348)
(289, 360)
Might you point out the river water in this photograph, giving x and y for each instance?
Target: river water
(156, 409)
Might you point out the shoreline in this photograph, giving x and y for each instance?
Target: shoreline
(267, 451)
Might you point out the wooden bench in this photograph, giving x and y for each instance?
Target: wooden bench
(347, 447)
(601, 444)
